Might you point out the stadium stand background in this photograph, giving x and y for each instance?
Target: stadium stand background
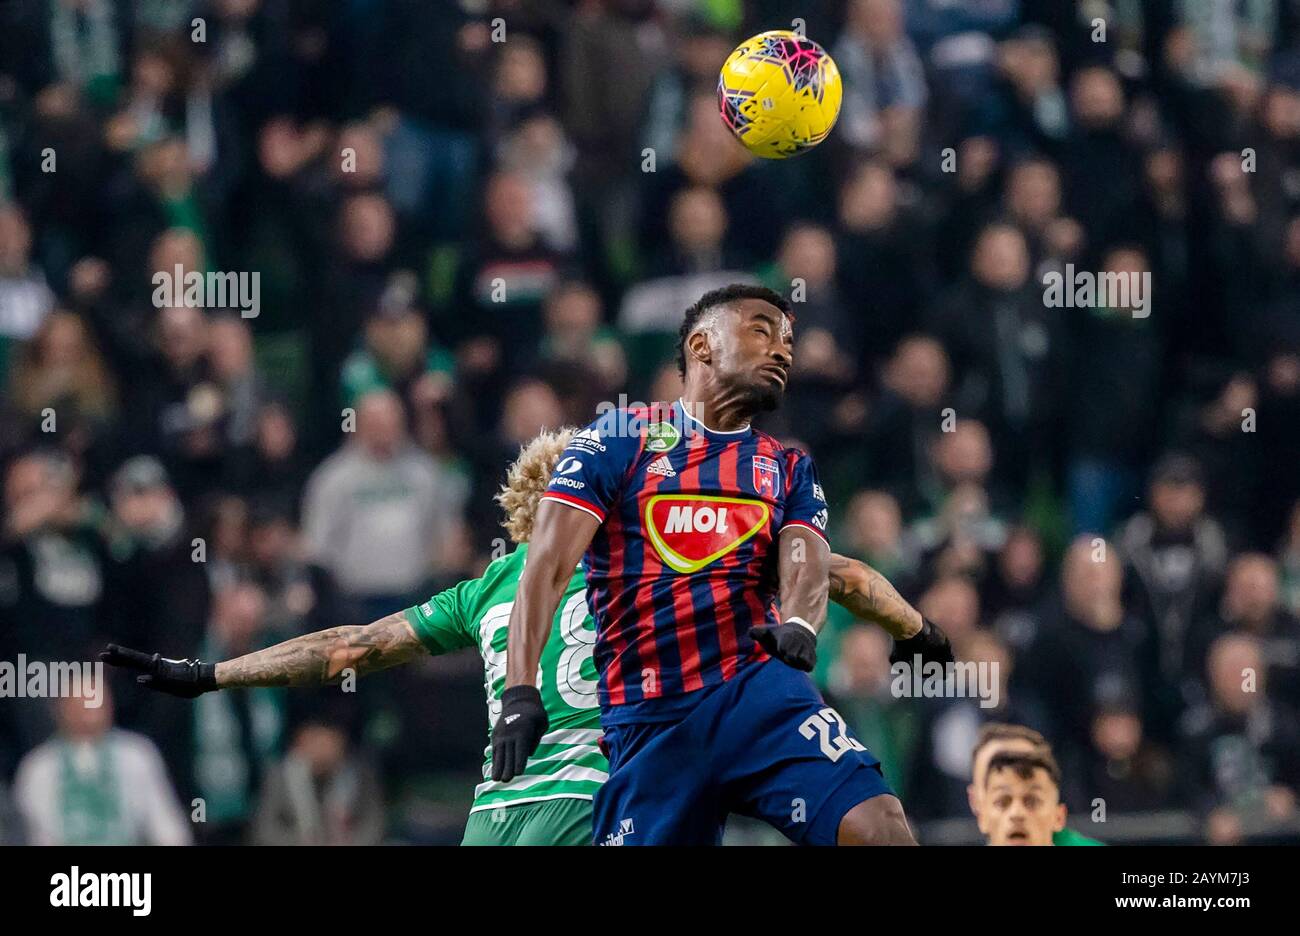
(391, 171)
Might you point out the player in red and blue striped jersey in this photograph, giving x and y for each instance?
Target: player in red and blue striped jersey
(694, 529)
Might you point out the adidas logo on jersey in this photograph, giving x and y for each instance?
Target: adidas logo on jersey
(662, 466)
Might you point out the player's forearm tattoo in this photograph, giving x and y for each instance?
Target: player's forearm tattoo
(867, 594)
(320, 658)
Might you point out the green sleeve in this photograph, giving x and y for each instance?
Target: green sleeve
(442, 622)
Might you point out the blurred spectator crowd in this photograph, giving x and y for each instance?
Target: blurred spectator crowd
(472, 220)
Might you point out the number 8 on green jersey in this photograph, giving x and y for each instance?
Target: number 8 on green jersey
(568, 764)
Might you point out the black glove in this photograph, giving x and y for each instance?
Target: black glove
(930, 642)
(183, 678)
(519, 730)
(790, 642)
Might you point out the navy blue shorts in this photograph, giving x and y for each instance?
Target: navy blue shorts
(763, 744)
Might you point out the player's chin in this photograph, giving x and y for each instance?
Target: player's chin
(766, 394)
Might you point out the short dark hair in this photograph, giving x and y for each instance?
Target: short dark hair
(723, 296)
(1024, 765)
(1004, 731)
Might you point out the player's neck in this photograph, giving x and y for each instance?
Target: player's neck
(716, 410)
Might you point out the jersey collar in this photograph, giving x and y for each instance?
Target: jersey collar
(710, 432)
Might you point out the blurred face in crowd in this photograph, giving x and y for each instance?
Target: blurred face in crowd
(954, 601)
(323, 747)
(984, 646)
(1252, 591)
(1291, 242)
(381, 426)
(230, 347)
(276, 436)
(1001, 258)
(667, 384)
(145, 510)
(1097, 98)
(965, 454)
(1092, 588)
(1128, 262)
(530, 407)
(176, 247)
(1177, 505)
(15, 241)
(1021, 810)
(1030, 64)
(918, 372)
(152, 74)
(367, 228)
(182, 336)
(572, 313)
(78, 721)
(1021, 559)
(862, 667)
(876, 522)
(697, 219)
(237, 615)
(880, 22)
(1164, 170)
(398, 340)
(368, 166)
(34, 477)
(509, 208)
(869, 198)
(702, 54)
(808, 253)
(271, 541)
(62, 342)
(521, 71)
(229, 526)
(1034, 193)
(1236, 673)
(1281, 112)
(165, 166)
(1117, 736)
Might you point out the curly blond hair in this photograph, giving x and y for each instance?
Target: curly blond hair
(527, 479)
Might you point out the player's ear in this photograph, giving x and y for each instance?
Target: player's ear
(697, 344)
(972, 800)
(1059, 824)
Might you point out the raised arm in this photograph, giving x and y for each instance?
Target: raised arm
(315, 659)
(867, 594)
(803, 563)
(560, 536)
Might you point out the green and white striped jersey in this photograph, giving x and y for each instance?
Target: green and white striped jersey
(476, 613)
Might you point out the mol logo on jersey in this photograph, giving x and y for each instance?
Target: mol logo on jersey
(690, 531)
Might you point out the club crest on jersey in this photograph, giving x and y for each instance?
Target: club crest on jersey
(767, 475)
(690, 531)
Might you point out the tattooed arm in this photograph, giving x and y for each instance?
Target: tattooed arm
(319, 658)
(866, 593)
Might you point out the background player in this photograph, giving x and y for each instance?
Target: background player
(1022, 799)
(1000, 738)
(693, 525)
(550, 802)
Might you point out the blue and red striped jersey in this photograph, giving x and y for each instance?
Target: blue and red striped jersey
(683, 563)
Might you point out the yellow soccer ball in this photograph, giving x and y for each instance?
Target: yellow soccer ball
(779, 92)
